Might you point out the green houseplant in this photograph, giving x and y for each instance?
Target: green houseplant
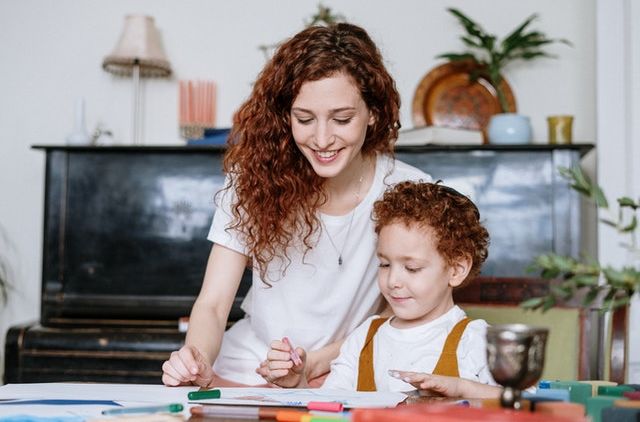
(586, 279)
(492, 55)
(323, 16)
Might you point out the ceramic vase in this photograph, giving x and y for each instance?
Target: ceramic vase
(509, 128)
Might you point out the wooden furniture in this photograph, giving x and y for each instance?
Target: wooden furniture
(582, 345)
(124, 245)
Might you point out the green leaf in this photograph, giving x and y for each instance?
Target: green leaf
(517, 33)
(559, 292)
(469, 25)
(628, 202)
(548, 303)
(599, 198)
(533, 303)
(607, 303)
(590, 296)
(454, 57)
(621, 301)
(613, 276)
(470, 42)
(582, 280)
(631, 226)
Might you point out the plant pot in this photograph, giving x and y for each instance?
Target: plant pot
(509, 128)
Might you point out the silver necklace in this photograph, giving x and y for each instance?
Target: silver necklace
(335, 248)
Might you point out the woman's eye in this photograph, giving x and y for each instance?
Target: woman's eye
(342, 121)
(383, 265)
(303, 121)
(412, 269)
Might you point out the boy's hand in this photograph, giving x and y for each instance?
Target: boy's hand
(430, 385)
(187, 366)
(279, 368)
(440, 385)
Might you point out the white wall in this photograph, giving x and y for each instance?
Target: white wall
(618, 132)
(51, 54)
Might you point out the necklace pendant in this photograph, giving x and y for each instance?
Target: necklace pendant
(340, 260)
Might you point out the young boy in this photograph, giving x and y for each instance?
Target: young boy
(430, 241)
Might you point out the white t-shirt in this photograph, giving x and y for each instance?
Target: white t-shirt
(318, 301)
(414, 349)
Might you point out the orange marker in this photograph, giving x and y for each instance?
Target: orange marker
(295, 357)
(289, 415)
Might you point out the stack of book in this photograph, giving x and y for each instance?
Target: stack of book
(439, 135)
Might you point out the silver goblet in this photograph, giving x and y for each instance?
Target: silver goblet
(515, 353)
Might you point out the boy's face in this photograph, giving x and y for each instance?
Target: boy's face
(413, 276)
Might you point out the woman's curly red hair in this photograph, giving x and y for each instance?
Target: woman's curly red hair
(278, 193)
(453, 217)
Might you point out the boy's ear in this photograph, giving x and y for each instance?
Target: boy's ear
(460, 270)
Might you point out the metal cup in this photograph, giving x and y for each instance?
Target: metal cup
(515, 354)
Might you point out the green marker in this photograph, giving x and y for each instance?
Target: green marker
(204, 394)
(172, 408)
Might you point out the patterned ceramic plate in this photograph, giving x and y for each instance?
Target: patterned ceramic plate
(446, 97)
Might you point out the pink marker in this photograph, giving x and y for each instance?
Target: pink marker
(295, 357)
(325, 406)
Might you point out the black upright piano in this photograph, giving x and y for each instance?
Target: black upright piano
(125, 249)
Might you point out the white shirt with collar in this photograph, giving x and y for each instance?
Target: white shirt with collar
(414, 349)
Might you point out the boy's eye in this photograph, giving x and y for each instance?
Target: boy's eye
(383, 265)
(412, 269)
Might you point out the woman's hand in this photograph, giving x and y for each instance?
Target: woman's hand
(279, 368)
(187, 366)
(439, 385)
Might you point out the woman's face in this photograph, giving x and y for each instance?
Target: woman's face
(329, 121)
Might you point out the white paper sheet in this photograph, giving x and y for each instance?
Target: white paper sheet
(146, 393)
(300, 397)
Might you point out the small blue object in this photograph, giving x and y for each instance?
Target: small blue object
(547, 394)
(211, 137)
(509, 128)
(544, 384)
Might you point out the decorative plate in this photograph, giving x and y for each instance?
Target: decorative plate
(446, 97)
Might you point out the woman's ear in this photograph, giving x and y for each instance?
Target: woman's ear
(460, 270)
(372, 118)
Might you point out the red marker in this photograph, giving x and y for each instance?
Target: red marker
(295, 357)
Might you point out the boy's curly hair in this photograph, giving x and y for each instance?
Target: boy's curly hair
(278, 193)
(452, 216)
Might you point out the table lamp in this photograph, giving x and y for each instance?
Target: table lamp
(138, 53)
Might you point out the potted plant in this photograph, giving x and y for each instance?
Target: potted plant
(586, 279)
(324, 16)
(491, 56)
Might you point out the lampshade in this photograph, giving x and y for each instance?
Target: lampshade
(139, 44)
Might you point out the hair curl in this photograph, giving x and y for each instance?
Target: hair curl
(452, 216)
(278, 193)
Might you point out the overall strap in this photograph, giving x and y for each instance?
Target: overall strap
(448, 361)
(366, 378)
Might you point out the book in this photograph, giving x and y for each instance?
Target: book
(217, 136)
(439, 135)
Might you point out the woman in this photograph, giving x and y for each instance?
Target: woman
(310, 151)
